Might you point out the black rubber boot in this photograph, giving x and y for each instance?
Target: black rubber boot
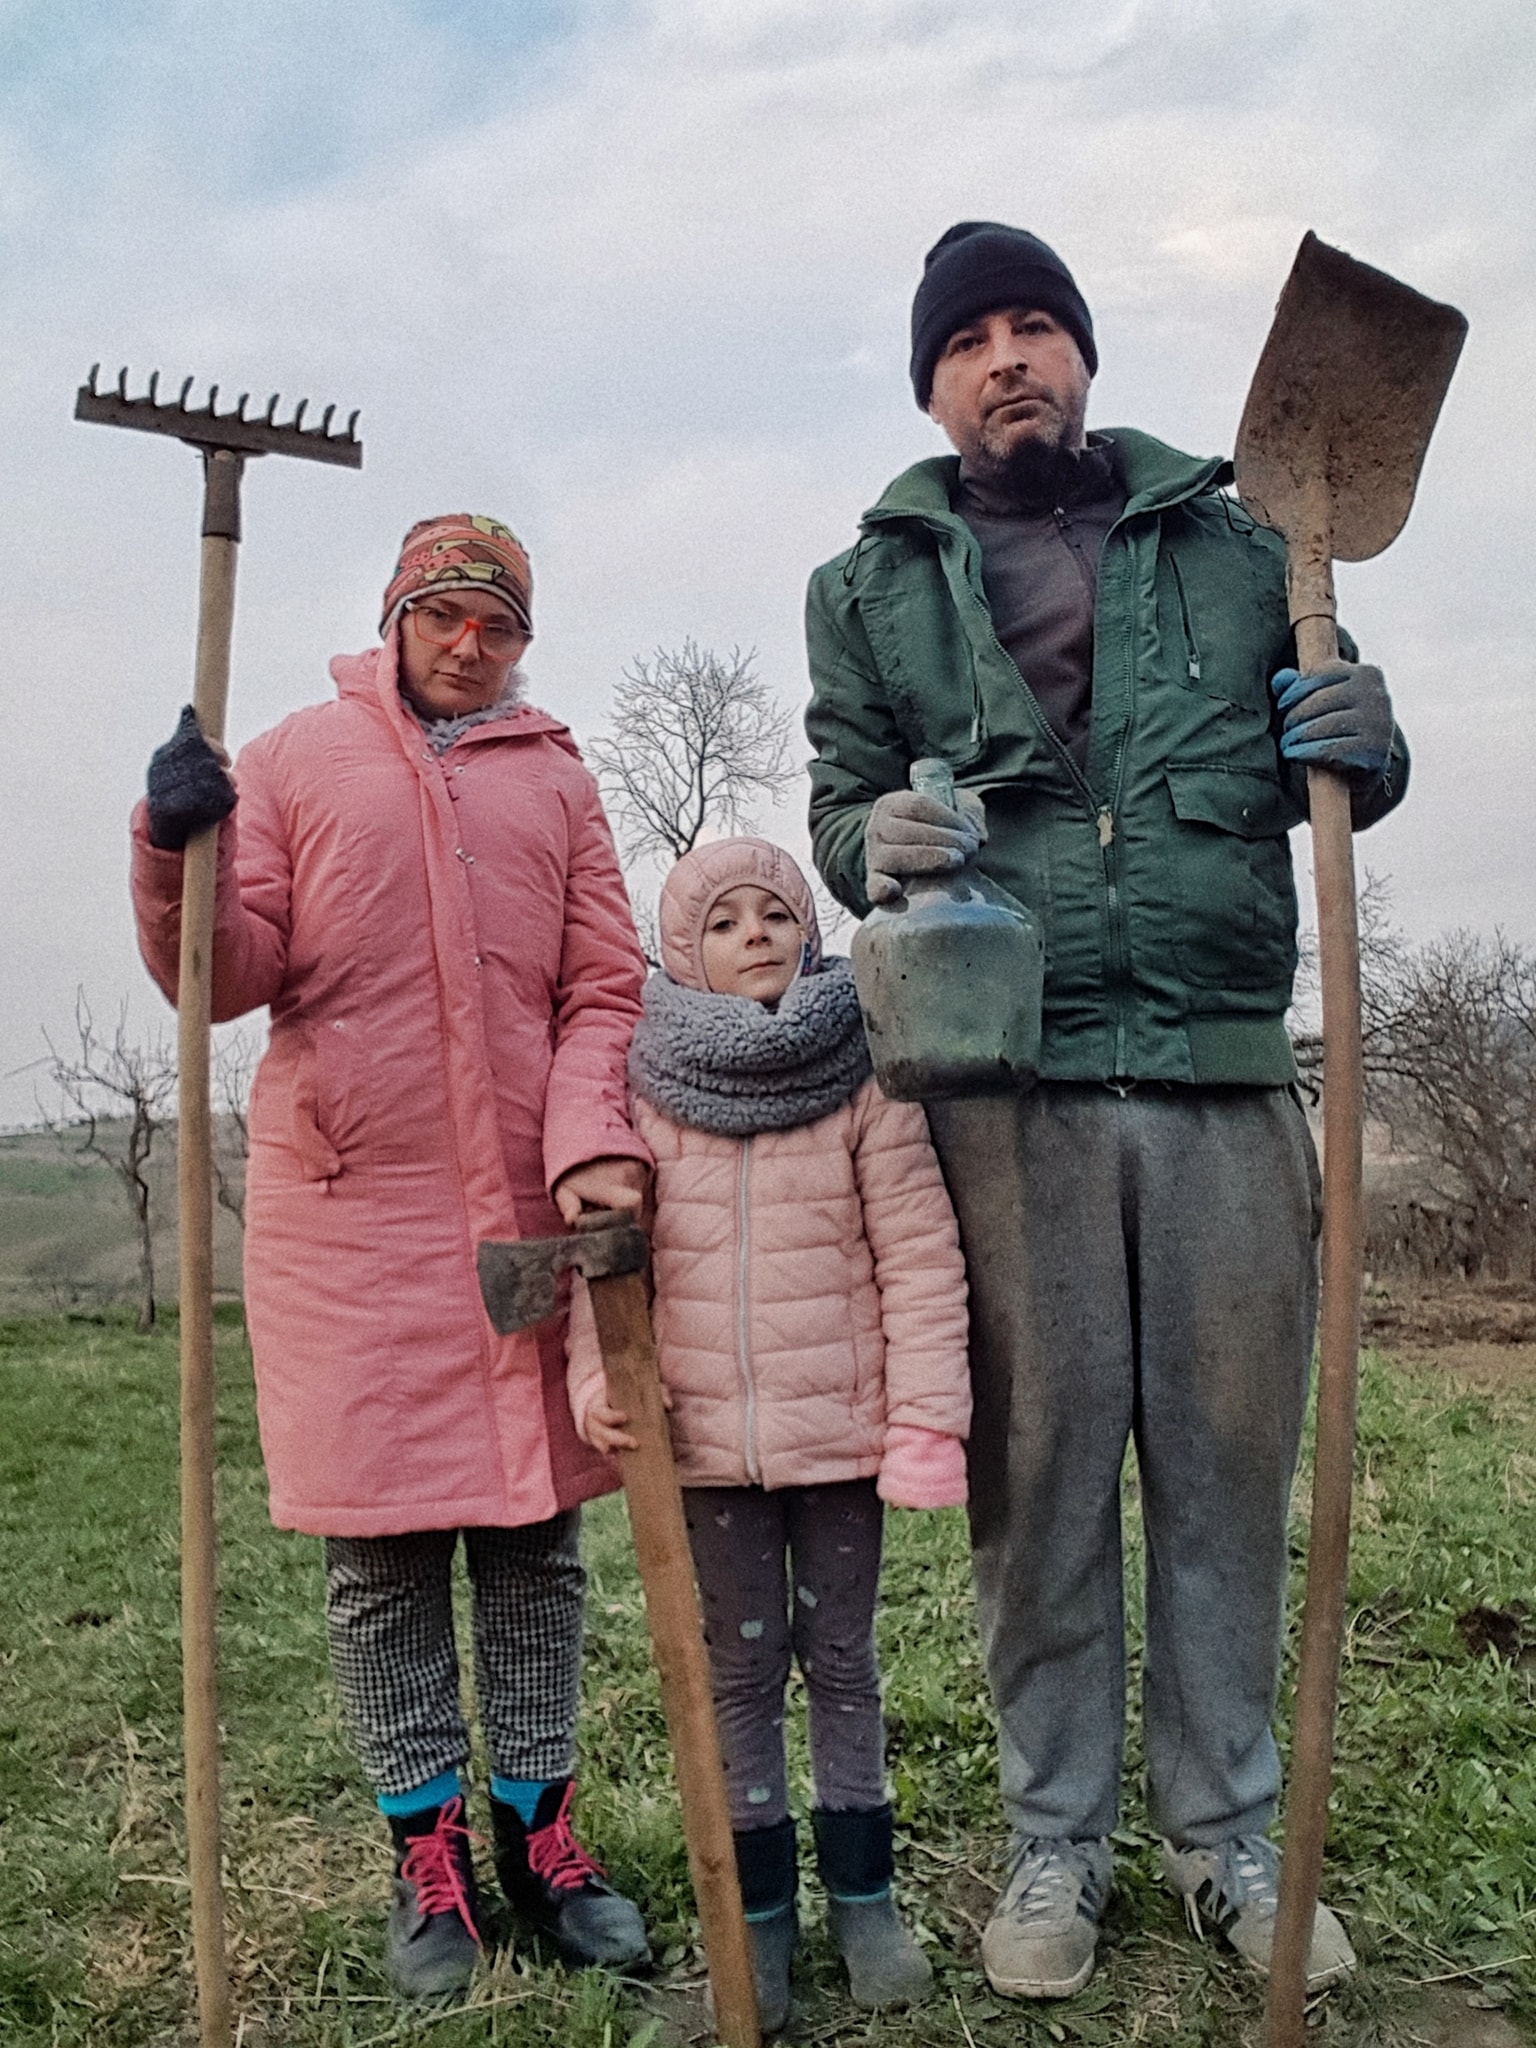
(854, 1855)
(765, 1865)
(433, 1935)
(560, 1890)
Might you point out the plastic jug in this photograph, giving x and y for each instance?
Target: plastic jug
(950, 979)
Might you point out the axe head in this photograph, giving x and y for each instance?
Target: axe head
(518, 1280)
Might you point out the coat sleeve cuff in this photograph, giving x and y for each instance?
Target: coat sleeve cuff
(922, 1468)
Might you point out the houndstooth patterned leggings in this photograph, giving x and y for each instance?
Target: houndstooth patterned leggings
(389, 1616)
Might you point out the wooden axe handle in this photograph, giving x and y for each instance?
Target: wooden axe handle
(622, 1316)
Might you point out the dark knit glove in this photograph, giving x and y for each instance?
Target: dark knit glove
(1340, 719)
(188, 786)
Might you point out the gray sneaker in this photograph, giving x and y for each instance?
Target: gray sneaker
(1040, 1940)
(1236, 1887)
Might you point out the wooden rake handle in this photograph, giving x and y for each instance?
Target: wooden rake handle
(194, 1155)
(622, 1316)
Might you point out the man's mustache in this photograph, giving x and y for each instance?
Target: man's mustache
(1040, 393)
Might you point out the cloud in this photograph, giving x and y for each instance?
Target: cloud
(637, 278)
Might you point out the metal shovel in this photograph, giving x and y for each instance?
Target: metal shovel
(224, 440)
(1329, 450)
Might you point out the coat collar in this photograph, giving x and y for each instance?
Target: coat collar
(1156, 476)
(373, 677)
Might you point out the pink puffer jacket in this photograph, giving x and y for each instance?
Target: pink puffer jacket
(810, 1296)
(447, 949)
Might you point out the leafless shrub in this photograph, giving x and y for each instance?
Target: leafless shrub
(116, 1093)
(696, 738)
(1449, 1041)
(235, 1058)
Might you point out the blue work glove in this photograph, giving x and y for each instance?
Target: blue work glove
(1340, 718)
(188, 786)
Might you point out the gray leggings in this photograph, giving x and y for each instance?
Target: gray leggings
(389, 1616)
(739, 1536)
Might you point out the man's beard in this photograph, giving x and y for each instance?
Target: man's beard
(1026, 468)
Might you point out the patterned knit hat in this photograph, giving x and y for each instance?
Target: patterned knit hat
(702, 877)
(461, 551)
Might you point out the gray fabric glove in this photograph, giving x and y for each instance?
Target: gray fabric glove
(188, 786)
(1339, 718)
(907, 834)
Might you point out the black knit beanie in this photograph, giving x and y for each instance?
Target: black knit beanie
(978, 267)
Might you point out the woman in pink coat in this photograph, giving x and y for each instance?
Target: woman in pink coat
(811, 1326)
(420, 884)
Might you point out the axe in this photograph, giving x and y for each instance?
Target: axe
(519, 1285)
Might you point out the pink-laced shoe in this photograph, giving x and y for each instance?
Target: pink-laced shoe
(433, 1938)
(562, 1891)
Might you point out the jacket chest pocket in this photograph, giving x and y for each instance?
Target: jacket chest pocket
(1222, 622)
(1232, 869)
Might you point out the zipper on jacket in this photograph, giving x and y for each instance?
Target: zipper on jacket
(743, 1315)
(1031, 702)
(1119, 982)
(1191, 651)
(1102, 814)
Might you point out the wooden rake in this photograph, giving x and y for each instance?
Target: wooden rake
(225, 441)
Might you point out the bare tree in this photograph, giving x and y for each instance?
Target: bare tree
(696, 738)
(1449, 1039)
(235, 1056)
(117, 1093)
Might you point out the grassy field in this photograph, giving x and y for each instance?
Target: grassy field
(1433, 1857)
(67, 1236)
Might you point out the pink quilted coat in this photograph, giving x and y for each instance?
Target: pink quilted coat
(810, 1295)
(450, 960)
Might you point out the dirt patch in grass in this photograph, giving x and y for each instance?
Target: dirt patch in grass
(1495, 1368)
(1446, 2017)
(1402, 1317)
(1484, 1336)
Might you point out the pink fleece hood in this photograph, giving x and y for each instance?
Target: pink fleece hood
(703, 876)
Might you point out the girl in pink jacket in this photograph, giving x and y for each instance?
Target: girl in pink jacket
(419, 882)
(810, 1308)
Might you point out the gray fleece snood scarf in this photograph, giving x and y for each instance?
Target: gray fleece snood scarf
(442, 732)
(730, 1065)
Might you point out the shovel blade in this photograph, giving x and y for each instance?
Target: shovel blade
(1348, 388)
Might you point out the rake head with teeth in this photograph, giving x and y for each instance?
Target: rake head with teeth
(205, 427)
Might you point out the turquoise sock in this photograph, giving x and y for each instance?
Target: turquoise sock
(520, 1793)
(436, 1792)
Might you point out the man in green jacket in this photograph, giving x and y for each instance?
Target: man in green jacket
(1094, 634)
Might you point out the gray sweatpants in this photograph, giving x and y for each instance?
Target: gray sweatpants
(1141, 1268)
(825, 1614)
(389, 1619)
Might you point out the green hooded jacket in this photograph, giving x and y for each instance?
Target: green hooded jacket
(1162, 878)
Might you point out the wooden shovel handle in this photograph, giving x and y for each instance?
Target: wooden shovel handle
(1322, 1628)
(622, 1316)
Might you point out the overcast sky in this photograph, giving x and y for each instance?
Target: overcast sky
(636, 278)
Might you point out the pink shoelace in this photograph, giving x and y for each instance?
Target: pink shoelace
(555, 1855)
(431, 1864)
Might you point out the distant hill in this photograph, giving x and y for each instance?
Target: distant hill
(67, 1236)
